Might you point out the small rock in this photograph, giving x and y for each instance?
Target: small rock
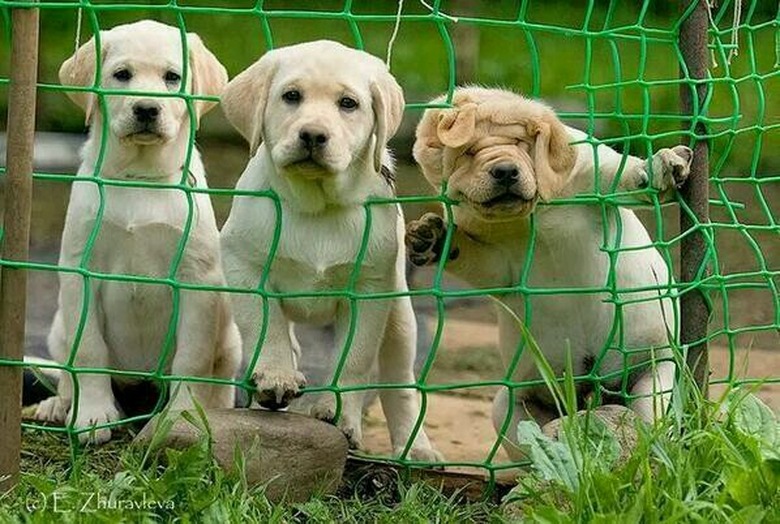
(620, 421)
(292, 455)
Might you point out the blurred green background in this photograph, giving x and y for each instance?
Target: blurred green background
(570, 55)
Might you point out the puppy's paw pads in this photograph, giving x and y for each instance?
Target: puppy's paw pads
(670, 167)
(89, 416)
(425, 239)
(53, 409)
(276, 388)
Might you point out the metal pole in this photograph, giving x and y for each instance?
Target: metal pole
(694, 311)
(18, 194)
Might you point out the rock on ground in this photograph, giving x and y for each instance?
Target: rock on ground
(294, 456)
(619, 420)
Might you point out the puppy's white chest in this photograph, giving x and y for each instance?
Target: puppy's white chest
(131, 209)
(327, 257)
(318, 285)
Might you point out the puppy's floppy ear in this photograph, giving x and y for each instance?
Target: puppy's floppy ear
(208, 74)
(245, 97)
(428, 150)
(456, 126)
(554, 157)
(79, 70)
(387, 101)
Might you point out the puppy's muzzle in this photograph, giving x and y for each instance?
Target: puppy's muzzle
(313, 138)
(146, 113)
(504, 174)
(506, 189)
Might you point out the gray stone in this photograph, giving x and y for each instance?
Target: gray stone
(294, 456)
(620, 421)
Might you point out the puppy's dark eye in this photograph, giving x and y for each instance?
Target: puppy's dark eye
(171, 77)
(123, 75)
(293, 96)
(348, 103)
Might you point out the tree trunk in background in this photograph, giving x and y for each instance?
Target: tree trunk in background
(465, 37)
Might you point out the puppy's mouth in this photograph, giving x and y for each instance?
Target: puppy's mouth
(309, 166)
(506, 204)
(144, 137)
(503, 200)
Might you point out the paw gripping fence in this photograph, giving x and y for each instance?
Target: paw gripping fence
(711, 112)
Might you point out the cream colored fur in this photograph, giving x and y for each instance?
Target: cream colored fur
(123, 325)
(289, 94)
(489, 129)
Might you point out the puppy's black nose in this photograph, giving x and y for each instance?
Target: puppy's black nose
(313, 137)
(505, 174)
(146, 113)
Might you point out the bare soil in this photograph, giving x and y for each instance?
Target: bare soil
(459, 421)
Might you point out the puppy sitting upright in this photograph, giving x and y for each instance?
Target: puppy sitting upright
(127, 231)
(318, 117)
(501, 154)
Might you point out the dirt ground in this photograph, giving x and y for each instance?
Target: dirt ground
(459, 422)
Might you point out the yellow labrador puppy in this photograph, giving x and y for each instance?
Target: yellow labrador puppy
(500, 154)
(317, 117)
(137, 231)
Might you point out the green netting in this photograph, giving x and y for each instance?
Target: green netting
(612, 69)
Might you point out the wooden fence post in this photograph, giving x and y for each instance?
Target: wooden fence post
(16, 235)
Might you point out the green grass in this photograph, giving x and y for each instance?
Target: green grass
(188, 486)
(708, 461)
(705, 461)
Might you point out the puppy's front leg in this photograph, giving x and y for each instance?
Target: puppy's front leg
(479, 264)
(368, 328)
(96, 404)
(275, 375)
(665, 171)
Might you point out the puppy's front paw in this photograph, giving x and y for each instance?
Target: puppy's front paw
(324, 408)
(421, 454)
(670, 168)
(53, 409)
(425, 239)
(90, 415)
(277, 387)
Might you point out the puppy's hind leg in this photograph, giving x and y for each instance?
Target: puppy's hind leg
(55, 408)
(198, 336)
(228, 360)
(396, 366)
(523, 408)
(653, 391)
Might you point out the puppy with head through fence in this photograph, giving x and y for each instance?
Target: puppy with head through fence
(500, 155)
(318, 117)
(147, 232)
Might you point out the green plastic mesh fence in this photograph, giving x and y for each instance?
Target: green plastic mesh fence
(610, 68)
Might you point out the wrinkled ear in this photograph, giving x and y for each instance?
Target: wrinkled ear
(387, 101)
(208, 74)
(554, 157)
(457, 125)
(79, 70)
(428, 150)
(245, 97)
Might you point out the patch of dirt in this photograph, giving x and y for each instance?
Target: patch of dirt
(458, 421)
